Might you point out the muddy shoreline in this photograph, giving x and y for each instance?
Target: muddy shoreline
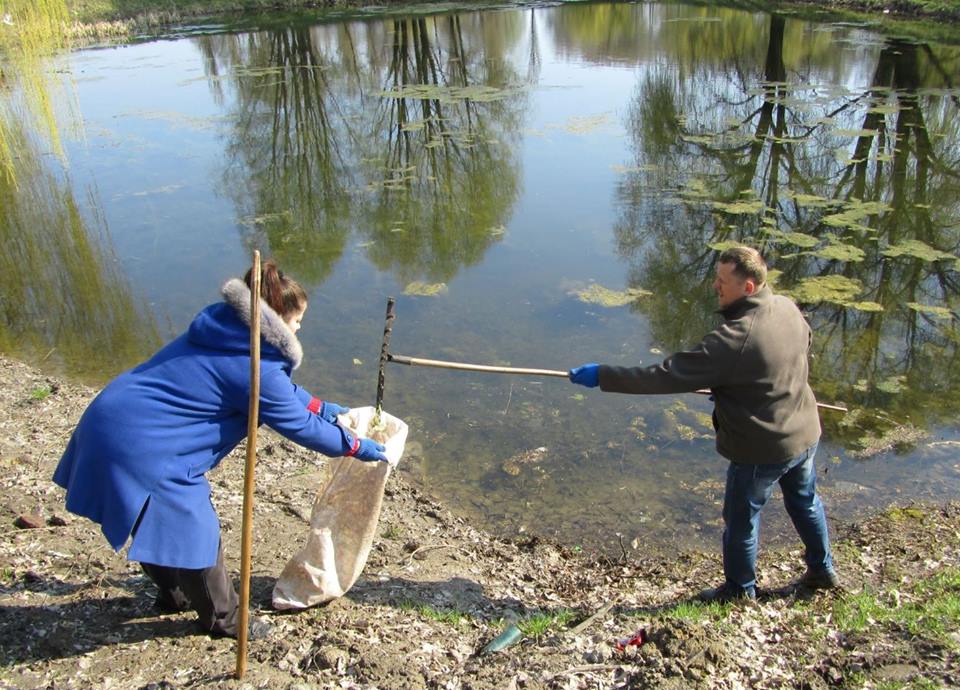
(436, 590)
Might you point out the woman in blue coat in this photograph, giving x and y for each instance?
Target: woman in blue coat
(137, 461)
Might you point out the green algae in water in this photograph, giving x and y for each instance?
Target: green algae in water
(724, 245)
(586, 124)
(838, 251)
(695, 189)
(605, 297)
(855, 132)
(264, 218)
(420, 289)
(624, 170)
(931, 310)
(698, 138)
(739, 207)
(917, 250)
(835, 289)
(797, 239)
(809, 200)
(853, 212)
(893, 385)
(450, 94)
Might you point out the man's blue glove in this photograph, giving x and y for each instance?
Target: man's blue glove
(370, 451)
(329, 411)
(588, 375)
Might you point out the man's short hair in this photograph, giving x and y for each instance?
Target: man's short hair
(747, 263)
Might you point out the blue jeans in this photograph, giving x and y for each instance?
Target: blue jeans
(748, 489)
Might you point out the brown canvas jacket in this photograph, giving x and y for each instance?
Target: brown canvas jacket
(755, 364)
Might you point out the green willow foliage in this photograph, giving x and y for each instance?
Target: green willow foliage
(61, 298)
(29, 31)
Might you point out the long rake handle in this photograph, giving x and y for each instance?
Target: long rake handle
(463, 366)
(442, 364)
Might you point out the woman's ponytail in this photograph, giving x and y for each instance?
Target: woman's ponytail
(282, 293)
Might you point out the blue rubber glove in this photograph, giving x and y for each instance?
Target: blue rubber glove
(370, 451)
(588, 375)
(330, 410)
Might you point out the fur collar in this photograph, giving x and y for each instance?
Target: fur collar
(273, 328)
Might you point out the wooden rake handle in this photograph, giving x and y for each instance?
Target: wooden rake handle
(463, 366)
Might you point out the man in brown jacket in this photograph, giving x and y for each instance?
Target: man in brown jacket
(765, 416)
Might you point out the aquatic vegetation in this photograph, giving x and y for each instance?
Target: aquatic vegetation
(441, 93)
(724, 245)
(605, 297)
(931, 310)
(420, 289)
(855, 211)
(835, 251)
(798, 239)
(893, 385)
(694, 189)
(855, 132)
(898, 437)
(917, 250)
(835, 289)
(747, 207)
(625, 170)
(586, 124)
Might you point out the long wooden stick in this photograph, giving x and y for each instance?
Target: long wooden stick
(462, 366)
(384, 351)
(442, 364)
(246, 540)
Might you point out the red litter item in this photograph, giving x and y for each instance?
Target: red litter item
(635, 641)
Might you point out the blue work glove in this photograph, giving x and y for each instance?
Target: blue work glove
(588, 375)
(370, 451)
(330, 410)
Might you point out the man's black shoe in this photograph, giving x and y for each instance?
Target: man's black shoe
(725, 593)
(820, 579)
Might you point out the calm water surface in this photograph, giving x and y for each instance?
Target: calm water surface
(513, 162)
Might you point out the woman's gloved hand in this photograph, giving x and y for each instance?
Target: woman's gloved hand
(330, 410)
(587, 375)
(370, 451)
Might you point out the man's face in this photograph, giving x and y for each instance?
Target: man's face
(730, 287)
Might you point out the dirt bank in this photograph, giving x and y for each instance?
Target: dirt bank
(436, 590)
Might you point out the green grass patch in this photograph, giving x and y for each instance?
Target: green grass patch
(391, 532)
(540, 623)
(930, 609)
(40, 393)
(448, 616)
(693, 611)
(899, 514)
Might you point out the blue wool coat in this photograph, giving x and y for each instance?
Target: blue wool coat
(139, 455)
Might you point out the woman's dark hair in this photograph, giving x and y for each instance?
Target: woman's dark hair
(282, 293)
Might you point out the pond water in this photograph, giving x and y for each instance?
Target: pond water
(499, 170)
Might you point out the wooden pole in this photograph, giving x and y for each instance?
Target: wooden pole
(441, 364)
(462, 366)
(246, 540)
(384, 351)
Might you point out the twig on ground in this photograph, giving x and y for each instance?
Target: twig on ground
(583, 625)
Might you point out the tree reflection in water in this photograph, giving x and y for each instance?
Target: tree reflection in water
(774, 166)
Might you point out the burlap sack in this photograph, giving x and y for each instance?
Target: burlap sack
(344, 519)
